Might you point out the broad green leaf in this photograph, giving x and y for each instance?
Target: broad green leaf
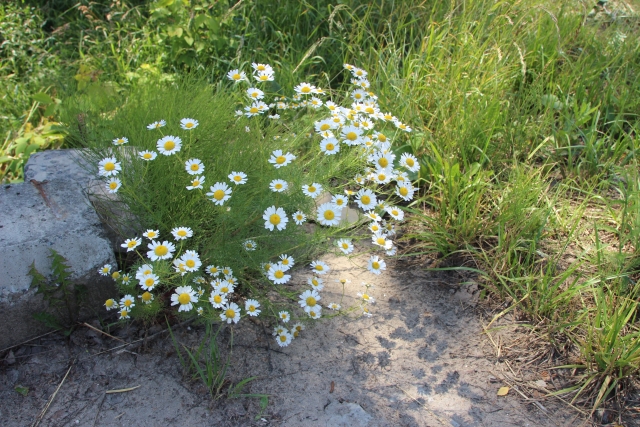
(42, 98)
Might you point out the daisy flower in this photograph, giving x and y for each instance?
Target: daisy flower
(410, 162)
(345, 245)
(111, 304)
(120, 141)
(255, 93)
(340, 200)
(113, 185)
(257, 67)
(284, 339)
(230, 313)
(169, 145)
(264, 76)
(255, 108)
(324, 125)
(330, 146)
(315, 102)
(334, 306)
(277, 274)
(275, 217)
(217, 299)
(151, 234)
(252, 306)
(320, 267)
(376, 265)
(382, 160)
(185, 296)
(366, 297)
(381, 176)
(278, 159)
(194, 166)
(188, 124)
(147, 155)
(405, 191)
(304, 88)
(395, 213)
(278, 330)
(359, 95)
(156, 125)
(115, 275)
(363, 83)
(381, 240)
(224, 287)
(278, 185)
(375, 226)
(392, 252)
(124, 314)
(328, 214)
(287, 261)
(144, 270)
(316, 283)
(312, 190)
(191, 261)
(108, 166)
(238, 178)
(284, 316)
(105, 270)
(352, 135)
(159, 250)
(227, 271)
(146, 297)
(196, 183)
(182, 233)
(199, 280)
(366, 199)
(249, 245)
(125, 279)
(296, 329)
(127, 302)
(219, 193)
(148, 281)
(315, 313)
(299, 218)
(213, 270)
(309, 300)
(274, 116)
(373, 216)
(402, 126)
(359, 73)
(236, 75)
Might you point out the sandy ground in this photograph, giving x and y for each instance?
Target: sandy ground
(419, 360)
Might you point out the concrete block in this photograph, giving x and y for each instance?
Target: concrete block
(50, 210)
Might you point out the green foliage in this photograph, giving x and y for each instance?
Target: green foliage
(64, 298)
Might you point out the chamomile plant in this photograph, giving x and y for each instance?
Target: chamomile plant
(226, 193)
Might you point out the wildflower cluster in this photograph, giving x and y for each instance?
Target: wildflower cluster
(171, 275)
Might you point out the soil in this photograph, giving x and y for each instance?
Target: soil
(420, 359)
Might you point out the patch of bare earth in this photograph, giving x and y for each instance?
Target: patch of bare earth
(421, 359)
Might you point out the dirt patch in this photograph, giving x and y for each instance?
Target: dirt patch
(419, 360)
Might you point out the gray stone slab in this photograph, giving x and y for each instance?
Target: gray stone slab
(50, 212)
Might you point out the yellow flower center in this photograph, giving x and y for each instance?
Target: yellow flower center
(105, 270)
(345, 246)
(279, 274)
(109, 166)
(329, 215)
(132, 244)
(267, 267)
(375, 228)
(113, 185)
(330, 147)
(190, 263)
(285, 262)
(149, 282)
(296, 333)
(278, 186)
(110, 303)
(382, 177)
(237, 178)
(281, 159)
(161, 250)
(365, 297)
(224, 290)
(261, 67)
(395, 212)
(264, 77)
(352, 136)
(146, 155)
(217, 299)
(369, 110)
(236, 76)
(283, 338)
(195, 183)
(365, 199)
(311, 301)
(252, 308)
(325, 126)
(195, 167)
(315, 282)
(169, 145)
(230, 313)
(254, 110)
(124, 313)
(182, 233)
(127, 303)
(381, 241)
(410, 162)
(382, 137)
(404, 191)
(312, 189)
(375, 265)
(383, 161)
(189, 125)
(319, 267)
(274, 219)
(283, 315)
(218, 194)
(305, 89)
(146, 296)
(184, 298)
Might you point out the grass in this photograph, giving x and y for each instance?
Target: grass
(524, 114)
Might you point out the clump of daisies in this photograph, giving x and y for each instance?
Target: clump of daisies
(247, 205)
